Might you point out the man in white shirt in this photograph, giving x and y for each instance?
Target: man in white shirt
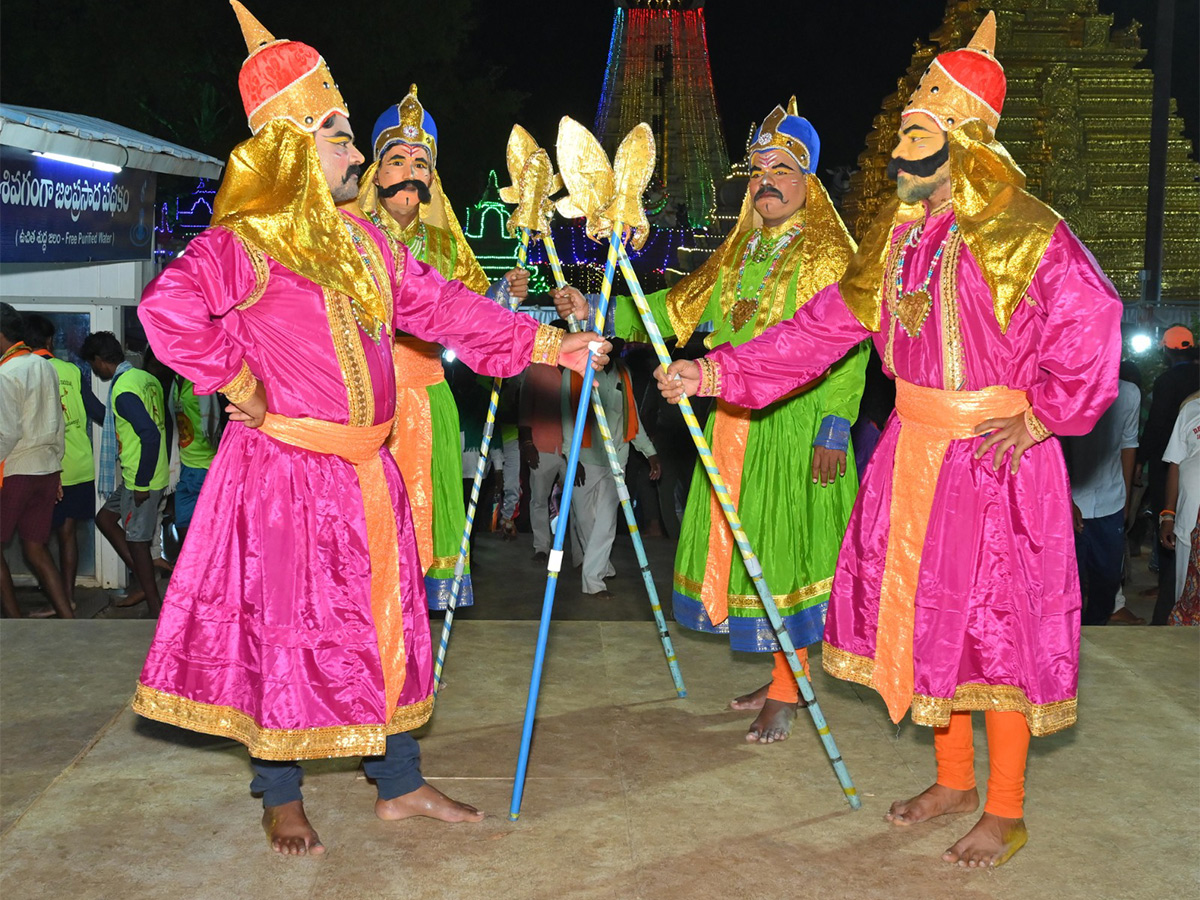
(594, 502)
(1182, 511)
(1101, 468)
(31, 452)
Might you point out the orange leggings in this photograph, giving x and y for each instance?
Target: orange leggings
(1008, 747)
(783, 682)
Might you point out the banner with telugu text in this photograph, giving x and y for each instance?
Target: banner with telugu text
(52, 211)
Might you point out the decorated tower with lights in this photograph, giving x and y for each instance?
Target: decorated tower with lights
(485, 228)
(1077, 120)
(658, 72)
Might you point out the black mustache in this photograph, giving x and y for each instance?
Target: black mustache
(411, 184)
(354, 172)
(767, 191)
(921, 168)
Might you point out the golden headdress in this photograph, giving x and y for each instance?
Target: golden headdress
(963, 85)
(284, 79)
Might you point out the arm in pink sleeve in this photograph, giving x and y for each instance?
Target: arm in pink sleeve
(489, 339)
(181, 309)
(1079, 352)
(789, 354)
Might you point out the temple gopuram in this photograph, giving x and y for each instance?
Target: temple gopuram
(1077, 120)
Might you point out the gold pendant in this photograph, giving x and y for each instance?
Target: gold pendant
(741, 313)
(912, 309)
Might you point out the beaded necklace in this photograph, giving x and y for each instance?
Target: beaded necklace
(759, 250)
(365, 320)
(912, 307)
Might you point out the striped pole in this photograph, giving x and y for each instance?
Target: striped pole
(554, 566)
(739, 535)
(464, 545)
(614, 463)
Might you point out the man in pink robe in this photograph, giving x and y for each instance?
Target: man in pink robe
(296, 619)
(956, 587)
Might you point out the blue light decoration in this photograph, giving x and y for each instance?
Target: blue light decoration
(181, 218)
(485, 229)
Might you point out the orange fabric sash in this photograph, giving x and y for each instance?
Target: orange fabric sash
(631, 419)
(930, 419)
(418, 366)
(360, 447)
(731, 430)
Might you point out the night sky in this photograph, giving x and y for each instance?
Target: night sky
(169, 68)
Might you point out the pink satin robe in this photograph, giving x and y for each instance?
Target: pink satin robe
(267, 634)
(998, 600)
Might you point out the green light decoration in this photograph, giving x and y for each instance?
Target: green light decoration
(496, 251)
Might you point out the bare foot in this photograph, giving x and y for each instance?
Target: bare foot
(992, 842)
(773, 724)
(133, 598)
(930, 803)
(753, 700)
(426, 801)
(289, 831)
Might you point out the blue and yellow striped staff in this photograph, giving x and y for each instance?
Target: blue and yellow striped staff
(464, 546)
(753, 567)
(554, 566)
(614, 463)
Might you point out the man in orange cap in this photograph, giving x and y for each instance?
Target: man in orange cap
(1180, 380)
(296, 619)
(956, 588)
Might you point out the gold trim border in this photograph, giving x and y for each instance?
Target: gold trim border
(753, 601)
(277, 743)
(1043, 718)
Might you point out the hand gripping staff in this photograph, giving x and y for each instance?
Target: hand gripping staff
(753, 567)
(533, 183)
(602, 193)
(464, 546)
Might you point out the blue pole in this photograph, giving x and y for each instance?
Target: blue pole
(554, 565)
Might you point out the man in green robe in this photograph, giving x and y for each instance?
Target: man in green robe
(788, 466)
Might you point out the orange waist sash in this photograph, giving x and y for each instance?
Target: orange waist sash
(360, 447)
(930, 419)
(418, 363)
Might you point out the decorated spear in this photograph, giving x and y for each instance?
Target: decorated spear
(592, 185)
(753, 567)
(533, 183)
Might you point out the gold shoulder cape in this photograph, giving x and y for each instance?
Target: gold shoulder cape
(275, 197)
(1005, 227)
(828, 249)
(436, 213)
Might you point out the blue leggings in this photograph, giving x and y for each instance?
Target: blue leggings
(396, 773)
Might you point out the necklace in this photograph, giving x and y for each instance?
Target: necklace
(366, 321)
(912, 307)
(415, 242)
(759, 250)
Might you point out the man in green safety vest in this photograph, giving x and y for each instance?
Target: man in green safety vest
(198, 425)
(134, 434)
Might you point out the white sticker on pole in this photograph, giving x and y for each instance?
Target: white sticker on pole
(622, 492)
(554, 564)
(595, 346)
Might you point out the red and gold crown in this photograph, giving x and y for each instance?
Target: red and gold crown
(284, 79)
(963, 84)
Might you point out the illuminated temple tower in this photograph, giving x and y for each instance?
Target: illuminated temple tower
(658, 72)
(1077, 120)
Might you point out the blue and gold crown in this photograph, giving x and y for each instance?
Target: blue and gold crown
(406, 123)
(794, 135)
